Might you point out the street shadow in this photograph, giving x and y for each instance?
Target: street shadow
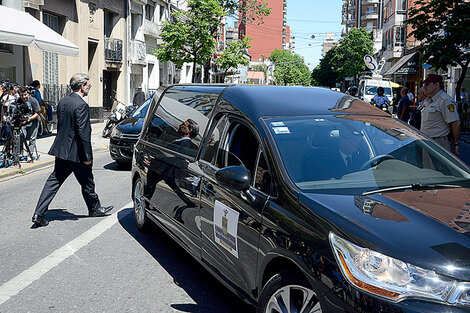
(209, 295)
(119, 167)
(45, 135)
(62, 215)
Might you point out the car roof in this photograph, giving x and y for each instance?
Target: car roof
(257, 101)
(272, 101)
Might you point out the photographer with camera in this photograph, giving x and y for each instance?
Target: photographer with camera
(28, 107)
(7, 100)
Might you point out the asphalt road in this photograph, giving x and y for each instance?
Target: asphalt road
(104, 264)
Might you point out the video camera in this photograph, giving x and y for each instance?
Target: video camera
(7, 85)
(20, 113)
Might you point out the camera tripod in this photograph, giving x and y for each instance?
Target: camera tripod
(15, 141)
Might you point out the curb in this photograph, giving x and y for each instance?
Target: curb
(31, 168)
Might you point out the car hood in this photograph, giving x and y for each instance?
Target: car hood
(131, 125)
(428, 228)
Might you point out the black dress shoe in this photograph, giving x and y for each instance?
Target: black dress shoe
(39, 221)
(101, 211)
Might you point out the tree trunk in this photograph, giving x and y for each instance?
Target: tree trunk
(461, 79)
(193, 79)
(207, 67)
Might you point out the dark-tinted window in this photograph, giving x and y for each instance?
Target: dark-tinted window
(262, 180)
(239, 148)
(180, 120)
(214, 140)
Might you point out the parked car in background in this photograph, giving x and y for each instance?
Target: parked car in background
(306, 200)
(125, 134)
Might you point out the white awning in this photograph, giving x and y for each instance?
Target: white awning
(20, 28)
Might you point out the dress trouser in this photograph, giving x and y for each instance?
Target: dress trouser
(62, 169)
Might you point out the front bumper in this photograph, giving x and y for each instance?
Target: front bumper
(122, 149)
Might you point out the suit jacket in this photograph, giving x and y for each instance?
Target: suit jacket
(73, 140)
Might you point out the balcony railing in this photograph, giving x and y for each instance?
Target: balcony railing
(370, 16)
(113, 50)
(138, 51)
(53, 93)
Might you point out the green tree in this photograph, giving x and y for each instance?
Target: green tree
(252, 10)
(289, 69)
(350, 52)
(444, 26)
(325, 73)
(190, 38)
(234, 54)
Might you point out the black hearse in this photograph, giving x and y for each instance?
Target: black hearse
(306, 200)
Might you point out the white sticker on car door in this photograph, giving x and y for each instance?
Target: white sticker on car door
(226, 227)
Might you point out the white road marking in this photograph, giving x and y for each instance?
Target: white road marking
(24, 279)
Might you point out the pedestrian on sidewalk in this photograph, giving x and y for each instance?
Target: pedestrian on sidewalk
(403, 111)
(415, 119)
(30, 126)
(439, 117)
(72, 149)
(37, 95)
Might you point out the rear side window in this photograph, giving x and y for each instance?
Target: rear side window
(180, 120)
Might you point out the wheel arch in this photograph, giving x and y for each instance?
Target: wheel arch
(135, 176)
(276, 265)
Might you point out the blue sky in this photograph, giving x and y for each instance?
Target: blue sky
(313, 17)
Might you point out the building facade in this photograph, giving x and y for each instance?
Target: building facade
(115, 41)
(328, 43)
(144, 24)
(270, 35)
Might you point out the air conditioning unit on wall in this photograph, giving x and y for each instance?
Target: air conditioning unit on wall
(33, 4)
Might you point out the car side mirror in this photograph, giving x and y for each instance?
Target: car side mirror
(234, 177)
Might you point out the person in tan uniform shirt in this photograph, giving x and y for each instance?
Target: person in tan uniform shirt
(439, 116)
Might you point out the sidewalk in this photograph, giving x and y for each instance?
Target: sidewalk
(43, 145)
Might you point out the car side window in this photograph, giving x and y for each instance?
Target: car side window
(214, 140)
(180, 120)
(238, 148)
(262, 180)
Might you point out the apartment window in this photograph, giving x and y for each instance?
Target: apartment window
(108, 24)
(162, 13)
(399, 36)
(370, 10)
(50, 59)
(401, 5)
(136, 22)
(149, 11)
(370, 26)
(5, 47)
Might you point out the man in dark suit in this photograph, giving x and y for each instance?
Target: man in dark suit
(72, 149)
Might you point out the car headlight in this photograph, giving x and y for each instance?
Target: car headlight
(116, 133)
(392, 279)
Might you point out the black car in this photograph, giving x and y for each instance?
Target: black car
(306, 200)
(125, 134)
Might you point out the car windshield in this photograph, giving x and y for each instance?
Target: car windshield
(372, 90)
(142, 109)
(363, 153)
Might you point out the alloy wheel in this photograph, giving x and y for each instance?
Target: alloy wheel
(293, 299)
(139, 203)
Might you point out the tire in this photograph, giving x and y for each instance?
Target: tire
(107, 130)
(288, 285)
(41, 127)
(49, 127)
(140, 214)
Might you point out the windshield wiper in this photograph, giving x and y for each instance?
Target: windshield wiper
(412, 187)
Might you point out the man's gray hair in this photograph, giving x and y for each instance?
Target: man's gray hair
(78, 80)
